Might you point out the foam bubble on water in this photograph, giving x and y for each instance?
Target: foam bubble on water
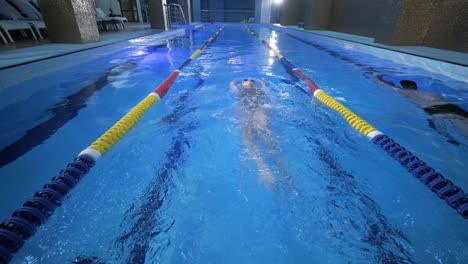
(235, 60)
(217, 114)
(120, 84)
(208, 88)
(336, 91)
(118, 61)
(30, 260)
(348, 46)
(267, 106)
(284, 95)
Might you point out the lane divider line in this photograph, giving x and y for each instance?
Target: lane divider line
(35, 211)
(435, 181)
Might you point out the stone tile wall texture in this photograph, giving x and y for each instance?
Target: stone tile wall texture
(434, 23)
(70, 21)
(292, 12)
(156, 13)
(318, 14)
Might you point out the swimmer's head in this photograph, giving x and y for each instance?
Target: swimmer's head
(248, 83)
(408, 85)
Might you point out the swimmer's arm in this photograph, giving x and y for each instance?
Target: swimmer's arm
(378, 79)
(233, 86)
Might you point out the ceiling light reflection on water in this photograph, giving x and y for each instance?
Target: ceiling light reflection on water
(272, 43)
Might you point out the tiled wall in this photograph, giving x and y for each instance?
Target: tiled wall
(70, 21)
(434, 23)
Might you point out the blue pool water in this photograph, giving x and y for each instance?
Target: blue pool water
(181, 186)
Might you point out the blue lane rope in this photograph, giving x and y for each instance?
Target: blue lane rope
(34, 212)
(435, 181)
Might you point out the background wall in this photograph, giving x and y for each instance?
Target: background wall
(157, 14)
(318, 14)
(75, 23)
(434, 23)
(239, 4)
(292, 12)
(357, 16)
(223, 10)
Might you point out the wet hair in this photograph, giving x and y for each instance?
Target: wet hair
(249, 79)
(409, 85)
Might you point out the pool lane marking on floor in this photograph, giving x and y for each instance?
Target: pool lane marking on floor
(435, 181)
(35, 211)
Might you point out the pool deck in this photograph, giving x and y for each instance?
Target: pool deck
(448, 56)
(39, 50)
(449, 63)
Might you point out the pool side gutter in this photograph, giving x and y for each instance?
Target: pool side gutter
(450, 63)
(13, 58)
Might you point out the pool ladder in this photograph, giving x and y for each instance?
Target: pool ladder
(175, 15)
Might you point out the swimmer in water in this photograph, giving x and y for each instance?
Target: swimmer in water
(441, 111)
(255, 124)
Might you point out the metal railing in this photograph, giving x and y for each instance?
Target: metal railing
(175, 15)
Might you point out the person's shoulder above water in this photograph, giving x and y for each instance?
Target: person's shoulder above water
(405, 84)
(432, 103)
(410, 90)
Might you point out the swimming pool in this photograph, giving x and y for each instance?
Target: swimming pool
(181, 186)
